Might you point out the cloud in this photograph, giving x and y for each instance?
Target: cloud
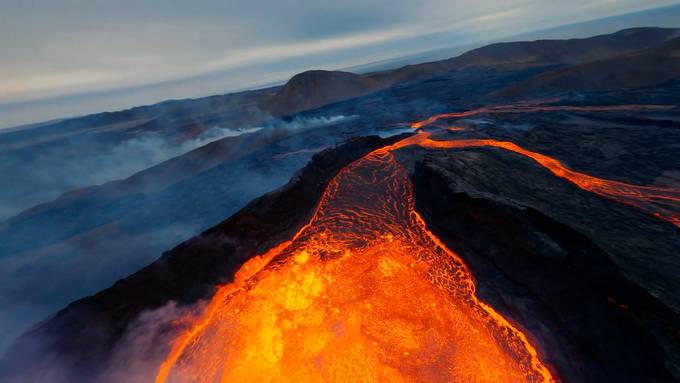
(299, 123)
(42, 175)
(140, 153)
(52, 50)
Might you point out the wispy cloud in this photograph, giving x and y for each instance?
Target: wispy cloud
(77, 46)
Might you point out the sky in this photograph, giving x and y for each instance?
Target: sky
(73, 57)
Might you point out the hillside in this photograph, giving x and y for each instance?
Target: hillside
(645, 68)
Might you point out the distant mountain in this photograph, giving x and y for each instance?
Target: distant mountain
(572, 51)
(43, 161)
(312, 89)
(644, 68)
(537, 53)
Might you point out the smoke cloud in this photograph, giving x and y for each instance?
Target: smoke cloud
(301, 123)
(39, 175)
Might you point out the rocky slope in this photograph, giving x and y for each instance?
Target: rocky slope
(648, 67)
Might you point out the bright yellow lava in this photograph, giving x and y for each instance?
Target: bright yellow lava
(363, 293)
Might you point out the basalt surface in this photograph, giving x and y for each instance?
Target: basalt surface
(565, 264)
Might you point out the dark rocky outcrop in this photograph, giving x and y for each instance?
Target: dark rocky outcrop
(591, 321)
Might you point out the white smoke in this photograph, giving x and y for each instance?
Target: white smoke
(302, 123)
(140, 153)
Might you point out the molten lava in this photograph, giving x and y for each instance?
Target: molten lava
(661, 202)
(365, 292)
(532, 107)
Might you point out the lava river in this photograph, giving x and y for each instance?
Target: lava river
(661, 202)
(365, 292)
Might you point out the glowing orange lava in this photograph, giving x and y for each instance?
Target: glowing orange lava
(661, 202)
(365, 292)
(527, 107)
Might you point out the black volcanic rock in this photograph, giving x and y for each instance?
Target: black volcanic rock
(522, 234)
(80, 339)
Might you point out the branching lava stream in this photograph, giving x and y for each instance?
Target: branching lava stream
(365, 292)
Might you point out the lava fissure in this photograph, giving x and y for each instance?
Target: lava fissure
(365, 292)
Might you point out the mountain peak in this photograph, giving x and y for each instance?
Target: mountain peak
(314, 88)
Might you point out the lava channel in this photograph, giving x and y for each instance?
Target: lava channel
(660, 202)
(526, 107)
(363, 293)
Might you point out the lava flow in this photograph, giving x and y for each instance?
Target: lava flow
(526, 107)
(661, 202)
(364, 292)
